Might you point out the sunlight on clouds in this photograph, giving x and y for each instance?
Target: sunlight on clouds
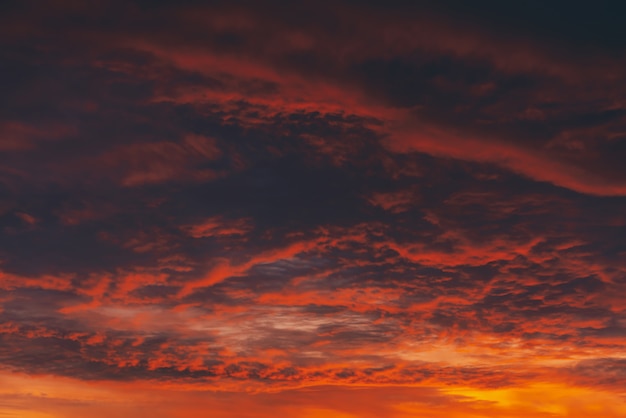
(324, 209)
(550, 399)
(436, 353)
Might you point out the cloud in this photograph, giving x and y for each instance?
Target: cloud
(333, 209)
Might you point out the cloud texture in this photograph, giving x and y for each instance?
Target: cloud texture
(329, 209)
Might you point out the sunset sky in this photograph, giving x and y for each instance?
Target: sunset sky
(329, 209)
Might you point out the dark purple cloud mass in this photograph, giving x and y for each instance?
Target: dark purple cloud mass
(312, 209)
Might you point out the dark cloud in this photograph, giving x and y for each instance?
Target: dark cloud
(260, 196)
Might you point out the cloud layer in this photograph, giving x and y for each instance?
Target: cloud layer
(332, 209)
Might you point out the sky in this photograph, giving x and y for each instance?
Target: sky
(329, 209)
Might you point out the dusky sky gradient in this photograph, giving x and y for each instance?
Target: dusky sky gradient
(330, 209)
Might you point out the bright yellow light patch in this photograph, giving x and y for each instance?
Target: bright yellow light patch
(549, 399)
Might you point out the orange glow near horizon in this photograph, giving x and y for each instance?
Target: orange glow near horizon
(47, 396)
